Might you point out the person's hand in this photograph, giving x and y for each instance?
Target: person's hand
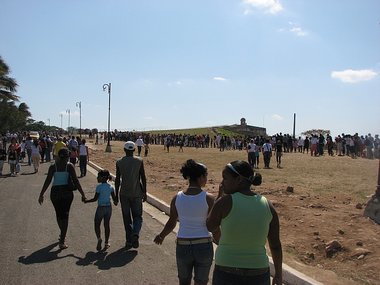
(144, 196)
(158, 239)
(41, 199)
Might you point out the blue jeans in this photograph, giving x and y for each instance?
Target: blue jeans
(132, 211)
(225, 278)
(195, 256)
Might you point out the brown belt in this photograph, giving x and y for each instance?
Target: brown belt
(242, 271)
(193, 241)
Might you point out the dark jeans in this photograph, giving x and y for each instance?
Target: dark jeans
(132, 211)
(83, 165)
(62, 199)
(252, 159)
(267, 155)
(225, 278)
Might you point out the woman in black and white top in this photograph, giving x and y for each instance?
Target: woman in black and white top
(194, 251)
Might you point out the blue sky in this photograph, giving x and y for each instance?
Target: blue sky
(186, 64)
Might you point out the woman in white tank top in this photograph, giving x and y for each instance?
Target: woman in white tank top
(194, 250)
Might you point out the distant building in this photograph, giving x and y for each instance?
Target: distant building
(247, 130)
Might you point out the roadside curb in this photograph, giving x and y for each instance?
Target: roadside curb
(290, 276)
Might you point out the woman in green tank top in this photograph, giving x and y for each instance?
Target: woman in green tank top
(246, 221)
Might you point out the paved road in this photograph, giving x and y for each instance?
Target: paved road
(29, 235)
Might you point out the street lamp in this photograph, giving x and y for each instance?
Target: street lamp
(79, 104)
(107, 87)
(48, 121)
(68, 126)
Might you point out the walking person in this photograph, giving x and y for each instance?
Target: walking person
(3, 157)
(64, 177)
(251, 150)
(267, 153)
(12, 159)
(194, 249)
(36, 155)
(28, 148)
(139, 144)
(246, 220)
(278, 151)
(103, 193)
(131, 181)
(83, 158)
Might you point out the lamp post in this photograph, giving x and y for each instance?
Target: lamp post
(68, 126)
(107, 87)
(48, 121)
(61, 115)
(79, 104)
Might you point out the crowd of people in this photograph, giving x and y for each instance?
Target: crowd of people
(33, 150)
(239, 220)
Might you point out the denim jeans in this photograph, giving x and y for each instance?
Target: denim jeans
(225, 278)
(195, 256)
(132, 211)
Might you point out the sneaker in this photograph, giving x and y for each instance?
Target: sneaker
(107, 245)
(128, 245)
(99, 245)
(62, 246)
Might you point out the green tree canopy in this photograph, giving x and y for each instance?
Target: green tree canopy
(8, 85)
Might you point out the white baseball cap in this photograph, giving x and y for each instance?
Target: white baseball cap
(129, 145)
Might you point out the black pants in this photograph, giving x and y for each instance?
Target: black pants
(62, 199)
(267, 155)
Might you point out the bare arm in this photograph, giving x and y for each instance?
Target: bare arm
(219, 211)
(170, 224)
(117, 182)
(48, 179)
(275, 246)
(96, 197)
(143, 181)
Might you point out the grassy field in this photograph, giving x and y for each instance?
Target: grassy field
(327, 191)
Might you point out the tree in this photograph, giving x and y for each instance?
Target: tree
(8, 85)
(13, 117)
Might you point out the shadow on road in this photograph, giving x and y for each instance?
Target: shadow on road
(103, 261)
(43, 255)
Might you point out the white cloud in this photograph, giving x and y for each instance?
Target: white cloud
(298, 31)
(354, 76)
(218, 78)
(295, 29)
(148, 118)
(176, 83)
(269, 6)
(277, 117)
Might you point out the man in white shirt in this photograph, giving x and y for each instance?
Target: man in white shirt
(267, 152)
(139, 143)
